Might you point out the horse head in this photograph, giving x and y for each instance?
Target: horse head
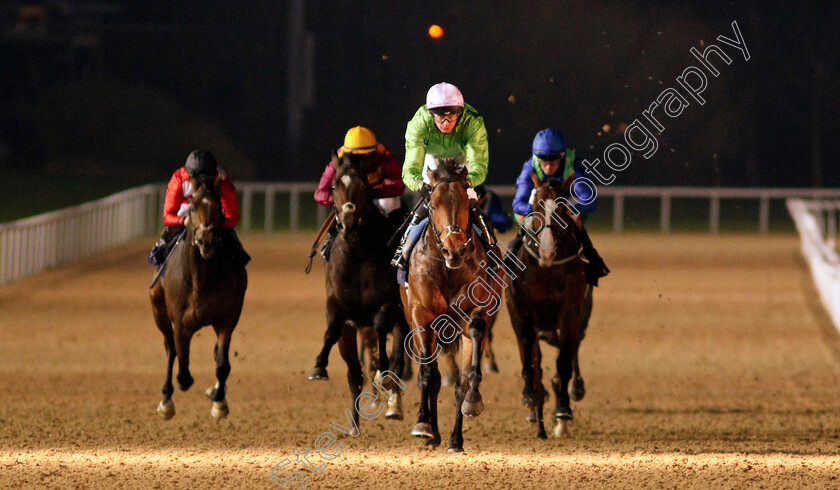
(551, 216)
(205, 219)
(351, 192)
(449, 209)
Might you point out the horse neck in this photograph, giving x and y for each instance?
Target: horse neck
(202, 271)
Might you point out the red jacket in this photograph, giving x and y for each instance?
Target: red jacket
(385, 175)
(179, 191)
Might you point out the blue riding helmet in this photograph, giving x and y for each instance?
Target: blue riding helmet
(548, 142)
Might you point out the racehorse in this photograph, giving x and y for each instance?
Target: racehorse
(201, 287)
(551, 299)
(361, 284)
(451, 297)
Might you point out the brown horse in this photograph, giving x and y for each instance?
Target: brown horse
(361, 284)
(550, 299)
(451, 297)
(201, 287)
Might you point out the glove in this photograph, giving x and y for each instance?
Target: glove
(425, 190)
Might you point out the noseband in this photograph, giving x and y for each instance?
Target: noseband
(216, 239)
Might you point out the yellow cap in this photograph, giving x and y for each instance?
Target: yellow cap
(359, 140)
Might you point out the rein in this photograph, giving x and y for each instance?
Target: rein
(449, 229)
(578, 255)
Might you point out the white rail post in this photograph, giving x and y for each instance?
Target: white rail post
(764, 214)
(618, 212)
(269, 208)
(294, 209)
(714, 213)
(246, 209)
(665, 213)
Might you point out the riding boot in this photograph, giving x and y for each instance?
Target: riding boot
(234, 248)
(325, 248)
(162, 247)
(513, 248)
(403, 252)
(596, 268)
(487, 238)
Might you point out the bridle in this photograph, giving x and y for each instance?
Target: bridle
(549, 223)
(350, 206)
(193, 229)
(445, 232)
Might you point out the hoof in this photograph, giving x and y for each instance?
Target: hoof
(184, 382)
(318, 373)
(395, 411)
(532, 416)
(423, 429)
(473, 406)
(578, 390)
(386, 383)
(455, 450)
(562, 429)
(353, 433)
(219, 410)
(166, 410)
(433, 443)
(490, 366)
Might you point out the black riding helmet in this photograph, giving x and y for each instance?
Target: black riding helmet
(201, 163)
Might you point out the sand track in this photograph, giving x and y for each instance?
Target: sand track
(708, 361)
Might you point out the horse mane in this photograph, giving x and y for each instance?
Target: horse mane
(450, 169)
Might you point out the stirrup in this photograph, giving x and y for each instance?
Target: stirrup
(399, 261)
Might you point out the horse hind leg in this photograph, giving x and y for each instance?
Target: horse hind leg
(489, 357)
(221, 354)
(182, 348)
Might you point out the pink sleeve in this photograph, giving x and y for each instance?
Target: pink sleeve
(392, 184)
(323, 195)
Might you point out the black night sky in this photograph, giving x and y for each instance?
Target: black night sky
(131, 86)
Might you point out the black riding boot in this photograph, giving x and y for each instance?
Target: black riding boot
(513, 247)
(325, 248)
(403, 252)
(596, 268)
(163, 246)
(237, 253)
(487, 237)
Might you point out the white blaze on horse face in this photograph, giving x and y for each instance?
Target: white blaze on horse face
(346, 179)
(547, 251)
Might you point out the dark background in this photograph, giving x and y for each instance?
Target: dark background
(123, 90)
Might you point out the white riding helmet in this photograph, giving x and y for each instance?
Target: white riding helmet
(445, 98)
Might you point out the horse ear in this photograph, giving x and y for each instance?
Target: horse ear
(220, 178)
(567, 183)
(535, 179)
(432, 174)
(335, 159)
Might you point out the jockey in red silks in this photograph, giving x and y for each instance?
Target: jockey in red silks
(384, 173)
(200, 164)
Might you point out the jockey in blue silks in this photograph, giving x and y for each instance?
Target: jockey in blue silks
(551, 159)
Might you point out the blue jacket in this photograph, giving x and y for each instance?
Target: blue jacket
(524, 185)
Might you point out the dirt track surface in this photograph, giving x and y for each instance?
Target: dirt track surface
(708, 362)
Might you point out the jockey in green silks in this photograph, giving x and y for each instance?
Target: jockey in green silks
(444, 127)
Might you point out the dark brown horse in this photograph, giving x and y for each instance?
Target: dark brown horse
(201, 287)
(451, 297)
(550, 299)
(361, 284)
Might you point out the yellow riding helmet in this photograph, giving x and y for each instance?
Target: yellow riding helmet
(359, 140)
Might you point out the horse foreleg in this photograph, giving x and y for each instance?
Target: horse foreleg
(220, 352)
(166, 408)
(560, 384)
(355, 377)
(331, 336)
(456, 439)
(473, 405)
(383, 322)
(182, 348)
(428, 380)
(539, 389)
(578, 390)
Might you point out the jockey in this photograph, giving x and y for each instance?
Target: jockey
(383, 173)
(551, 159)
(445, 127)
(491, 204)
(200, 164)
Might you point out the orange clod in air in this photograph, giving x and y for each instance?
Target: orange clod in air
(435, 31)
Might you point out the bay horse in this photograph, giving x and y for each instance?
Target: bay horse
(550, 300)
(201, 286)
(451, 297)
(361, 284)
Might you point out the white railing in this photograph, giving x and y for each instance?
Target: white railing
(816, 222)
(665, 195)
(33, 244)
